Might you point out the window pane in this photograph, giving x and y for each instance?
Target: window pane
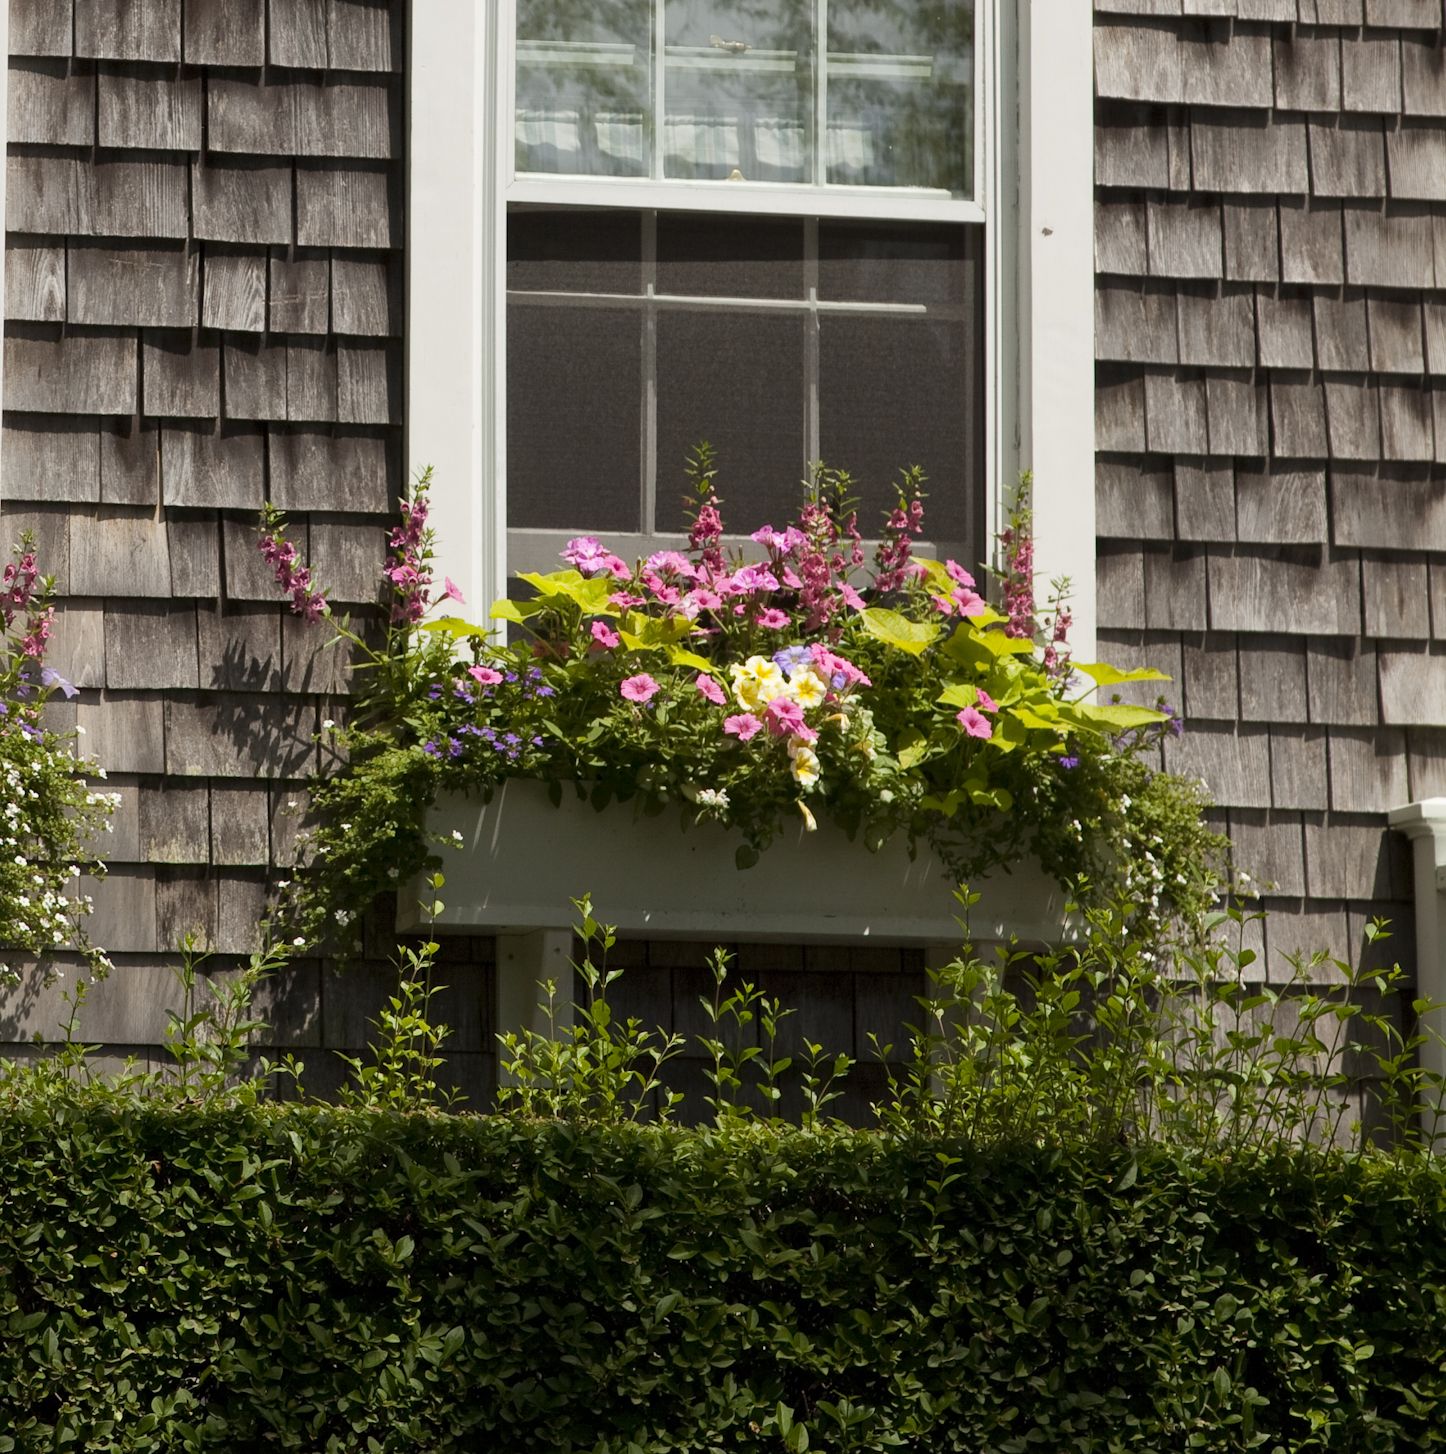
(895, 392)
(575, 251)
(718, 256)
(869, 262)
(584, 86)
(574, 417)
(737, 381)
(901, 94)
(738, 88)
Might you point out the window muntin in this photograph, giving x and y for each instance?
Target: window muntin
(798, 93)
(631, 336)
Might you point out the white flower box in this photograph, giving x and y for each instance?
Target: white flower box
(522, 860)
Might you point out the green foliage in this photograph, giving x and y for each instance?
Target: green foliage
(50, 815)
(798, 683)
(338, 1280)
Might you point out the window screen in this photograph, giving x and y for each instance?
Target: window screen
(631, 337)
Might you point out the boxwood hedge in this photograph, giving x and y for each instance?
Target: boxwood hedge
(267, 1277)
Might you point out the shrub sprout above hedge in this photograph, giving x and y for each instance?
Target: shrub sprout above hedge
(760, 689)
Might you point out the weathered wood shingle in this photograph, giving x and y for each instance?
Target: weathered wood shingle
(133, 284)
(134, 30)
(146, 111)
(51, 103)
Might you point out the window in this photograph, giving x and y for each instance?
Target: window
(631, 336)
(855, 230)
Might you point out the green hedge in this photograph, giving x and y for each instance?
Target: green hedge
(313, 1279)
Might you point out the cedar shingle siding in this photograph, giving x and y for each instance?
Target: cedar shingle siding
(203, 309)
(1271, 345)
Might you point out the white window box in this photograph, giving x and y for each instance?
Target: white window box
(523, 860)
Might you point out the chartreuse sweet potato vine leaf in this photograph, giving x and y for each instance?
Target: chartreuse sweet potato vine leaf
(455, 627)
(1105, 675)
(589, 595)
(896, 630)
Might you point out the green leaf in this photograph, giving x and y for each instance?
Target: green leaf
(1115, 717)
(589, 595)
(746, 856)
(911, 749)
(1105, 675)
(680, 656)
(454, 626)
(506, 610)
(1128, 1176)
(896, 630)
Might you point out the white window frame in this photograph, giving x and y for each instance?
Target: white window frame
(1034, 191)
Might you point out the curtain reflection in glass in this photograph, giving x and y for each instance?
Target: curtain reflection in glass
(584, 86)
(900, 93)
(738, 87)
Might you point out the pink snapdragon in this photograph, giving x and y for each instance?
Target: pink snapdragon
(307, 599)
(641, 688)
(744, 726)
(710, 689)
(893, 558)
(783, 541)
(17, 586)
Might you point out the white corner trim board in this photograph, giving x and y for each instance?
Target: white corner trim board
(1055, 311)
(1424, 824)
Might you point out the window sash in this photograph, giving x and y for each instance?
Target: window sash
(817, 199)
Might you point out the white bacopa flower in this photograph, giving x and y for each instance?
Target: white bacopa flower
(327, 725)
(299, 942)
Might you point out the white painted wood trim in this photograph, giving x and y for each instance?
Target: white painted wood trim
(759, 198)
(1056, 289)
(4, 111)
(453, 290)
(520, 862)
(1424, 824)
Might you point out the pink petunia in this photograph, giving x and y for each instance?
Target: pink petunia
(625, 599)
(484, 675)
(743, 726)
(772, 618)
(641, 688)
(710, 689)
(702, 599)
(969, 604)
(958, 573)
(943, 604)
(986, 702)
(852, 597)
(785, 719)
(603, 636)
(975, 724)
(450, 592)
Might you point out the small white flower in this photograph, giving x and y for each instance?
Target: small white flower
(327, 725)
(299, 942)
